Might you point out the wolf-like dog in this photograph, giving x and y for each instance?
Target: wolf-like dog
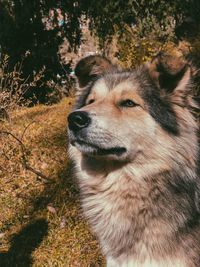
(133, 139)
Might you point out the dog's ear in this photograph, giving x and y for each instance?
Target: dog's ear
(90, 67)
(172, 75)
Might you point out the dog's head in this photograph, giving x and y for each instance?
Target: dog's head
(123, 115)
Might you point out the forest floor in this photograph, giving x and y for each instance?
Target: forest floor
(41, 222)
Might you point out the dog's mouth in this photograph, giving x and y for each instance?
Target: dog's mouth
(93, 149)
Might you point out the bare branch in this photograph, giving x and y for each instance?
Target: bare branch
(25, 163)
(25, 129)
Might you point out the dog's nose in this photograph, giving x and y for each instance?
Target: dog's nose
(78, 120)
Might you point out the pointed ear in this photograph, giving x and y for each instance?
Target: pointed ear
(88, 68)
(172, 75)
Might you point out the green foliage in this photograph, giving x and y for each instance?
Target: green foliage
(24, 33)
(134, 50)
(163, 19)
(25, 36)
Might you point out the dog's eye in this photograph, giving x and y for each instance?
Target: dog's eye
(90, 101)
(128, 103)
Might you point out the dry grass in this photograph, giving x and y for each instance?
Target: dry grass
(40, 220)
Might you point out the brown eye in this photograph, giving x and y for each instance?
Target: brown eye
(128, 103)
(90, 101)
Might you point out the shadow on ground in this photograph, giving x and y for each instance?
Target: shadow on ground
(23, 244)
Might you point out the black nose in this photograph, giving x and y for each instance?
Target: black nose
(78, 120)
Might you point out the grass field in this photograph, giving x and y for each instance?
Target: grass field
(41, 222)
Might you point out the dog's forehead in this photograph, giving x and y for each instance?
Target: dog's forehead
(100, 88)
(115, 83)
(126, 86)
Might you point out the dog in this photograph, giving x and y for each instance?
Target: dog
(133, 140)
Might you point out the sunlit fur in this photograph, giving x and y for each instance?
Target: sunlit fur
(143, 203)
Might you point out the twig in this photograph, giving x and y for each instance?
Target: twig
(38, 173)
(24, 159)
(26, 129)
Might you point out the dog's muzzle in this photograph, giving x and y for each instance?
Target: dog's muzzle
(86, 138)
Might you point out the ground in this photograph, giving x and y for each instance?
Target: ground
(41, 222)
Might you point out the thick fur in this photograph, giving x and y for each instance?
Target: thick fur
(136, 162)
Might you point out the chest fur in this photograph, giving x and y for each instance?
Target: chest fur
(122, 213)
(172, 262)
(130, 216)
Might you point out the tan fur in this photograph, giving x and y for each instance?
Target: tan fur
(129, 199)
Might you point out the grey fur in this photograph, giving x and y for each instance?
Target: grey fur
(144, 205)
